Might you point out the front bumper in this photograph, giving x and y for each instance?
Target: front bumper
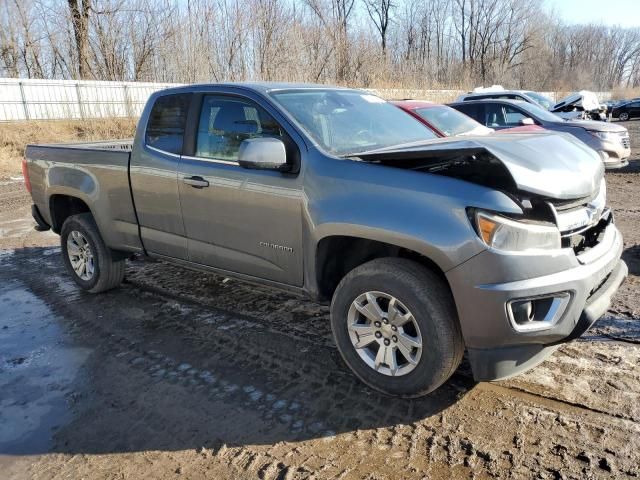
(618, 155)
(496, 349)
(615, 164)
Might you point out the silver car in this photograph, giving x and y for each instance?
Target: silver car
(610, 141)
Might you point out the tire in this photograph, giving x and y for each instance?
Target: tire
(623, 117)
(106, 266)
(419, 294)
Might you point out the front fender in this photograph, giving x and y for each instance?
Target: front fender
(422, 212)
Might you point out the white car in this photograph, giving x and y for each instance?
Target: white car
(497, 92)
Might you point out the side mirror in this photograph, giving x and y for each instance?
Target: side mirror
(527, 121)
(264, 153)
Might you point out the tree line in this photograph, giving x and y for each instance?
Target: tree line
(367, 43)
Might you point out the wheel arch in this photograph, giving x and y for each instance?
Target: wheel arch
(64, 205)
(337, 255)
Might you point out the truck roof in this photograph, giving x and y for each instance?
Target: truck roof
(262, 87)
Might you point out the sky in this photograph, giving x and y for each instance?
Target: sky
(607, 12)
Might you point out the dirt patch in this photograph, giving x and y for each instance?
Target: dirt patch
(180, 374)
(15, 135)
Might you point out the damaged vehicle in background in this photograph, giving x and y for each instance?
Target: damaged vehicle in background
(445, 121)
(502, 245)
(581, 105)
(610, 141)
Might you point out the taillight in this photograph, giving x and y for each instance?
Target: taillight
(25, 174)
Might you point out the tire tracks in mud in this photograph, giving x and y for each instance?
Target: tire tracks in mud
(463, 374)
(318, 436)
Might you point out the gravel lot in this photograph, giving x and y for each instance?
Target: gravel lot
(186, 375)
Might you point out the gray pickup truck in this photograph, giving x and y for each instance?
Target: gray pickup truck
(499, 244)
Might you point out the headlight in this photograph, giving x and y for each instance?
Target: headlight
(606, 136)
(503, 233)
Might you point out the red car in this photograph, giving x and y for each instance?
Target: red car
(445, 121)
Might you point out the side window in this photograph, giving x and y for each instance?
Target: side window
(513, 117)
(470, 110)
(226, 121)
(165, 129)
(494, 115)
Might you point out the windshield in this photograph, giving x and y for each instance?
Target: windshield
(345, 122)
(539, 112)
(448, 121)
(546, 102)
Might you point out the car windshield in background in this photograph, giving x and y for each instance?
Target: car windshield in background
(346, 122)
(539, 112)
(546, 102)
(448, 120)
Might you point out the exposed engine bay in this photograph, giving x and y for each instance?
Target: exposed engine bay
(581, 220)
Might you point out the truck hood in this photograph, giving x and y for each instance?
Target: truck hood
(550, 165)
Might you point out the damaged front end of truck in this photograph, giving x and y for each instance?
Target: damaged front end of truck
(547, 273)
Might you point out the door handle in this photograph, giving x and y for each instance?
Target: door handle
(196, 182)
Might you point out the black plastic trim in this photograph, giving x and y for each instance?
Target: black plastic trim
(42, 225)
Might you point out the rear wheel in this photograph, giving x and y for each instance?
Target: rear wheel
(396, 327)
(92, 265)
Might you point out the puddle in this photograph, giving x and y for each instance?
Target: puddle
(39, 372)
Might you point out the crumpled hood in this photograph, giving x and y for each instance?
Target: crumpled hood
(553, 165)
(584, 98)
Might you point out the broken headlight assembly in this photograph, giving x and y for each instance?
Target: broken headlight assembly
(510, 235)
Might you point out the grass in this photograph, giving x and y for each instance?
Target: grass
(624, 93)
(14, 136)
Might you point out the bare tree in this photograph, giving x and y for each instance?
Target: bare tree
(424, 43)
(380, 13)
(80, 11)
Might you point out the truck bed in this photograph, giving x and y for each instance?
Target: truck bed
(123, 145)
(96, 173)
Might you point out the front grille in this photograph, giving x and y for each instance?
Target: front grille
(566, 205)
(584, 240)
(624, 139)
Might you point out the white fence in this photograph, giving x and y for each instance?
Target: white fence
(70, 99)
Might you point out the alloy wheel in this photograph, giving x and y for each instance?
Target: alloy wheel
(80, 255)
(384, 333)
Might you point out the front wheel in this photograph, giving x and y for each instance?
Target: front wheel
(623, 117)
(395, 325)
(92, 265)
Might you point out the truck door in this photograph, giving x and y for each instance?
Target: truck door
(236, 219)
(154, 180)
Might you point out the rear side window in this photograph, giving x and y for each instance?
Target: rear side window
(165, 129)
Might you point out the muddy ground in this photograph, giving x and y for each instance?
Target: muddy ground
(186, 375)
